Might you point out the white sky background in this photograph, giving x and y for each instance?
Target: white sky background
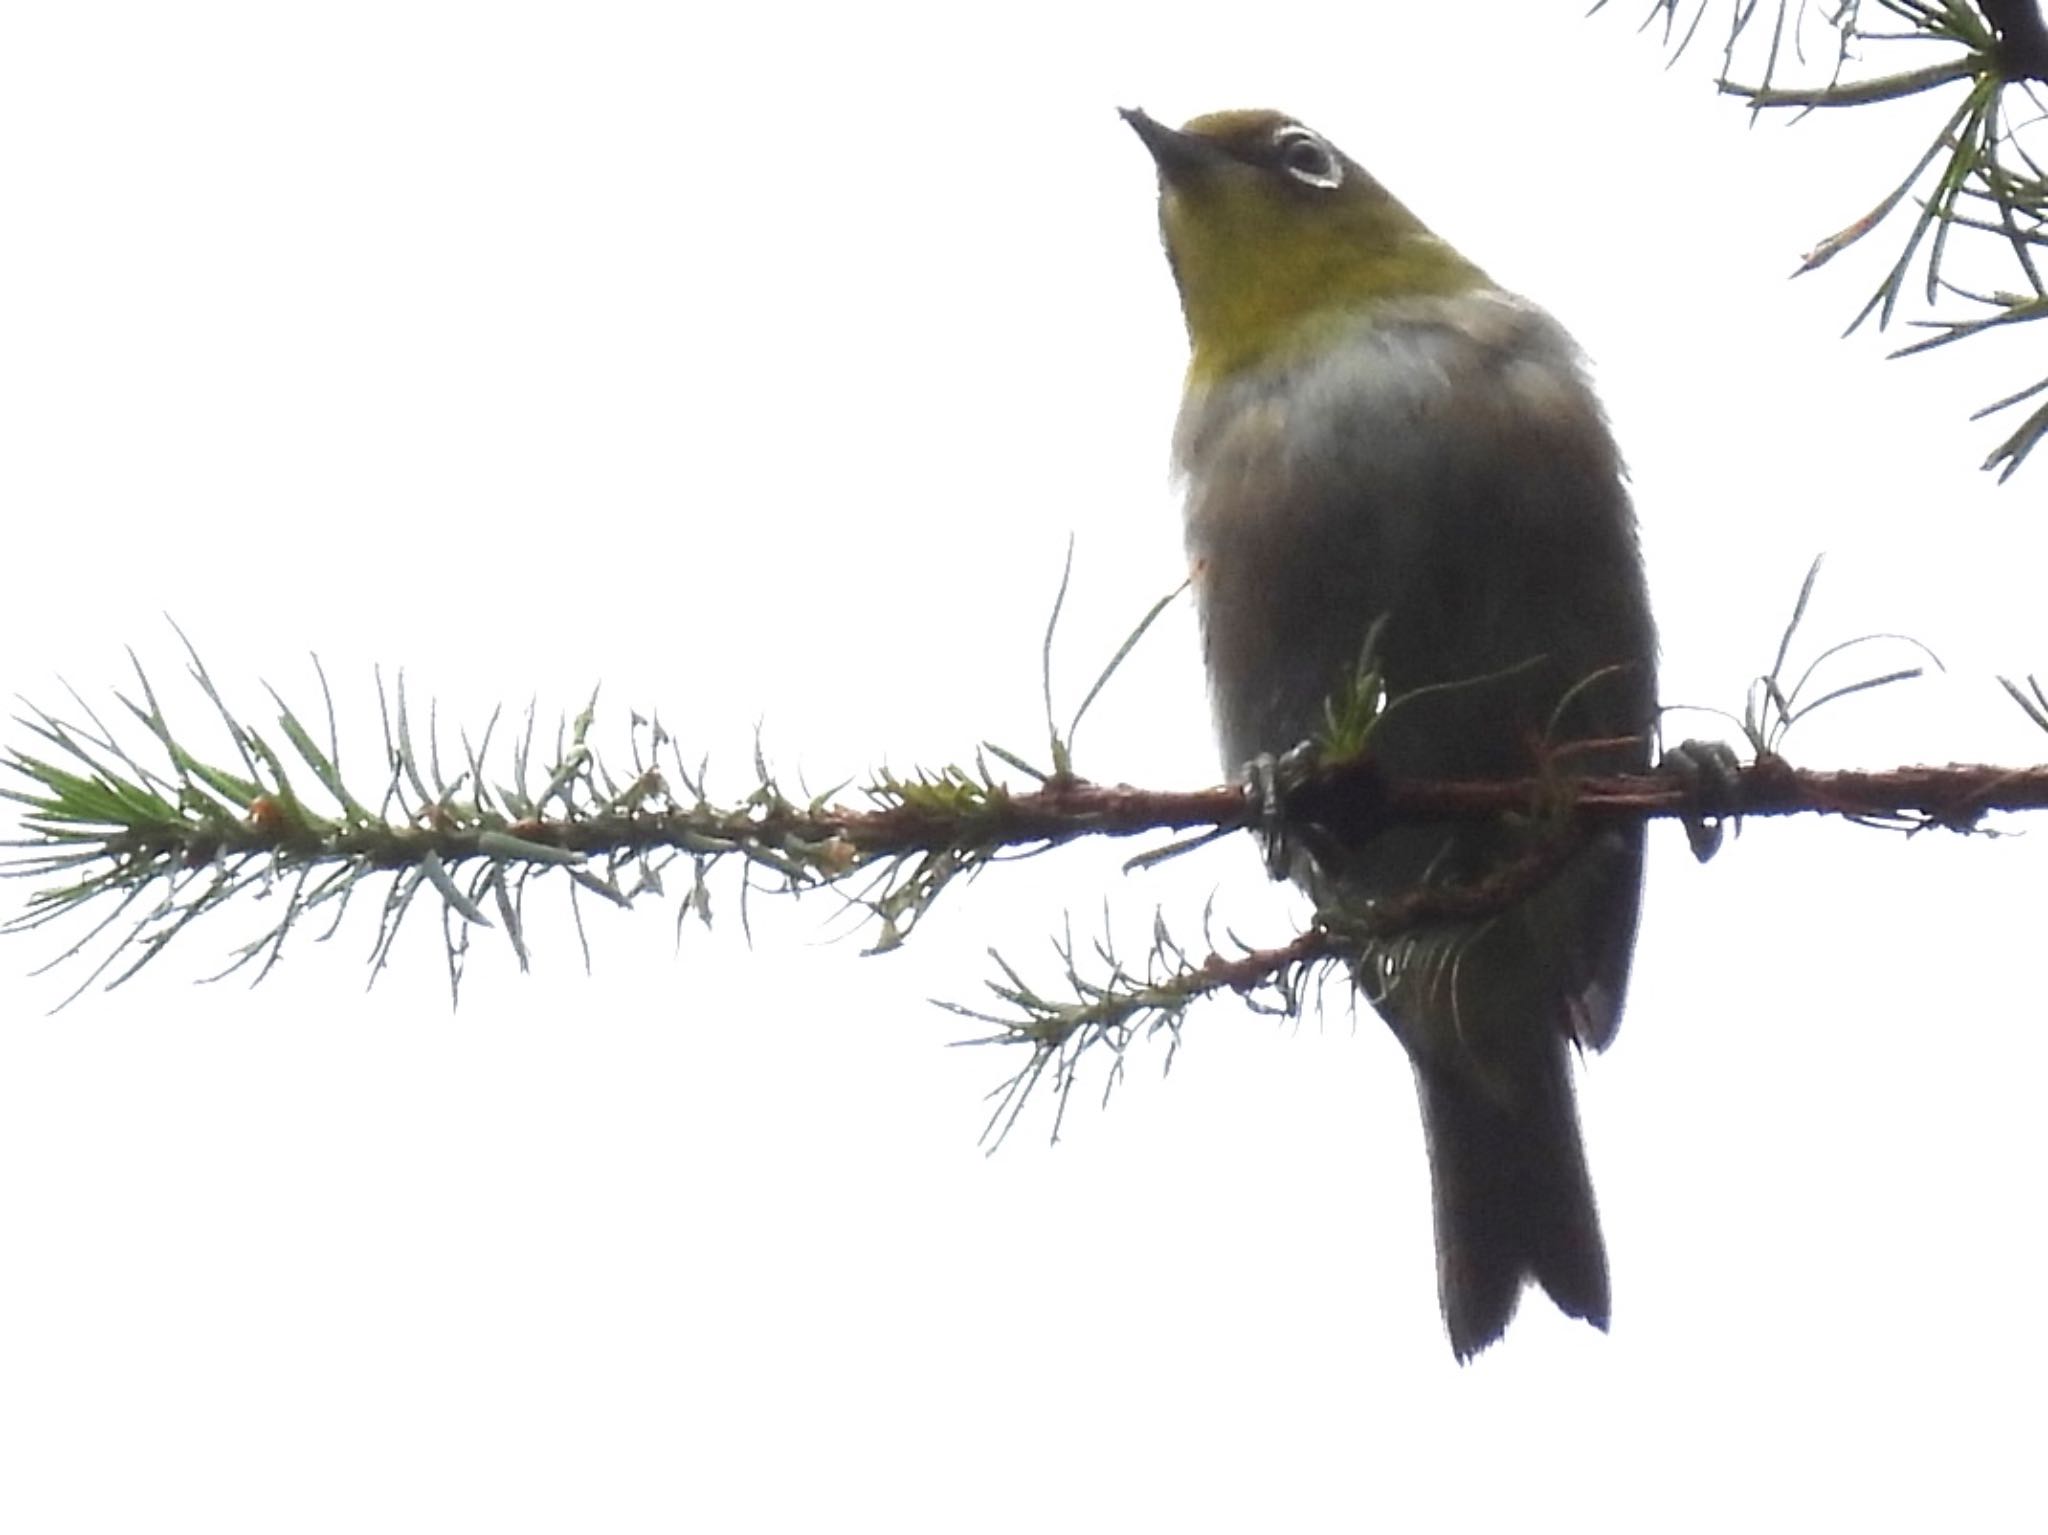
(758, 364)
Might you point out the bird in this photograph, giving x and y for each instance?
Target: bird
(1389, 459)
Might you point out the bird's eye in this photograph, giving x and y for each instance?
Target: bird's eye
(1305, 157)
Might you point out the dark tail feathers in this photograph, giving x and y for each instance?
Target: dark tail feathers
(1513, 1201)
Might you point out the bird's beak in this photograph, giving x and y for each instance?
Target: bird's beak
(1177, 154)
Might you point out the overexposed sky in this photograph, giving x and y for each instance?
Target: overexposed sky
(758, 364)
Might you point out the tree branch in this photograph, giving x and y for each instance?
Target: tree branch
(2022, 38)
(1980, 173)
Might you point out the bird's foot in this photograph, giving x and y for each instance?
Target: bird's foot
(1710, 772)
(1271, 778)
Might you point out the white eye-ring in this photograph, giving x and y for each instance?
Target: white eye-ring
(1306, 157)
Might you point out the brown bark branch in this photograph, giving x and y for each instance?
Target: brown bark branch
(1957, 796)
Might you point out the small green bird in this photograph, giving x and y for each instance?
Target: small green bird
(1374, 434)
